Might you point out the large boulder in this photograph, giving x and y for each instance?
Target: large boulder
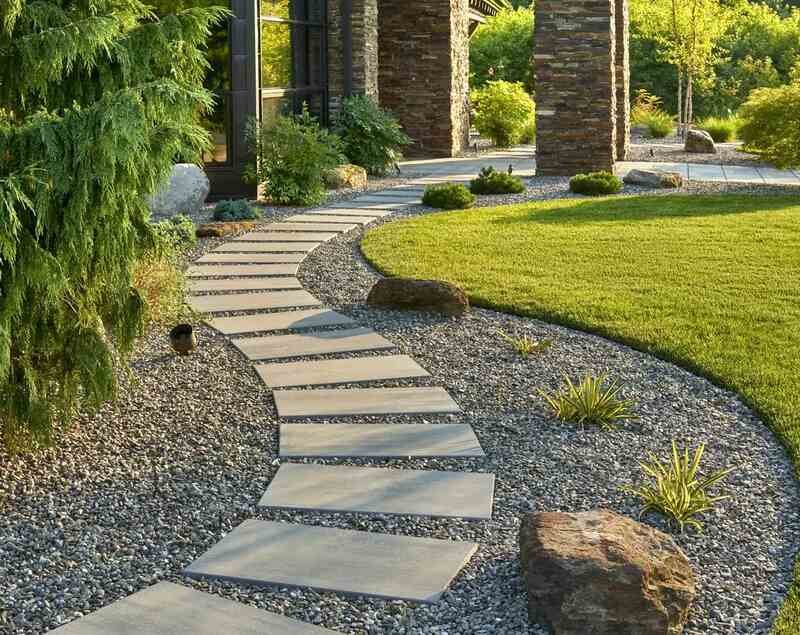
(699, 142)
(653, 178)
(185, 192)
(419, 295)
(601, 573)
(347, 176)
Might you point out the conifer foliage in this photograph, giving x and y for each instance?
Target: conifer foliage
(97, 100)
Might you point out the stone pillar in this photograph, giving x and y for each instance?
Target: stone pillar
(623, 79)
(423, 72)
(576, 108)
(352, 50)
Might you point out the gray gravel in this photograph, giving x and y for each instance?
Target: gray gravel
(137, 492)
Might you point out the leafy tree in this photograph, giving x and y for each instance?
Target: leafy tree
(686, 32)
(503, 112)
(770, 124)
(97, 97)
(502, 49)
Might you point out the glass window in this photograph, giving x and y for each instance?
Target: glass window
(292, 55)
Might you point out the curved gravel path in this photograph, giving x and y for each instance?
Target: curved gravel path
(146, 486)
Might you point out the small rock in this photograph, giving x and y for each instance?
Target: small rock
(653, 178)
(185, 193)
(419, 295)
(602, 573)
(700, 142)
(347, 176)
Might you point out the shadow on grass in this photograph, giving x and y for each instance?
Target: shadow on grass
(648, 208)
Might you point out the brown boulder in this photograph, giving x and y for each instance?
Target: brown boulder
(419, 295)
(601, 573)
(218, 230)
(347, 176)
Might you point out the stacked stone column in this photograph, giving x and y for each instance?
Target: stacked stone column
(581, 68)
(424, 71)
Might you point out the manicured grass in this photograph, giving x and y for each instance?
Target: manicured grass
(711, 283)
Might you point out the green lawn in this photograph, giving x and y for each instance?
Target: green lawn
(712, 283)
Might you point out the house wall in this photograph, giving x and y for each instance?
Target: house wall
(423, 71)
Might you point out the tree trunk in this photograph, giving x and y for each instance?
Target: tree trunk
(689, 103)
(680, 102)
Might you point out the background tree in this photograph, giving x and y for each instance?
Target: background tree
(502, 49)
(97, 98)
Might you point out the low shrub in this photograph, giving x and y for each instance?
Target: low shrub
(176, 233)
(647, 111)
(678, 492)
(292, 156)
(526, 345)
(231, 211)
(503, 112)
(595, 184)
(770, 126)
(491, 181)
(159, 280)
(371, 136)
(721, 129)
(590, 402)
(448, 196)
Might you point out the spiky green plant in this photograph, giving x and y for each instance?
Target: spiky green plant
(679, 492)
(526, 345)
(591, 402)
(97, 99)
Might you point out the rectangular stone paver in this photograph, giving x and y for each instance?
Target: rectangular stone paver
(347, 211)
(317, 343)
(332, 219)
(369, 490)
(780, 177)
(266, 247)
(259, 259)
(171, 609)
(703, 172)
(339, 560)
(242, 284)
(279, 321)
(289, 228)
(368, 207)
(344, 402)
(277, 236)
(378, 440)
(242, 270)
(339, 371)
(739, 173)
(385, 198)
(251, 301)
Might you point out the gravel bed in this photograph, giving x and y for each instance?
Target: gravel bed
(670, 149)
(136, 492)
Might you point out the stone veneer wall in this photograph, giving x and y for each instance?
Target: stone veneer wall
(576, 111)
(623, 79)
(423, 71)
(364, 39)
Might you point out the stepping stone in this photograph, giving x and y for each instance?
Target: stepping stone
(171, 609)
(348, 211)
(735, 173)
(369, 207)
(242, 270)
(774, 175)
(383, 198)
(242, 284)
(378, 440)
(266, 247)
(345, 402)
(369, 490)
(339, 371)
(319, 225)
(340, 560)
(261, 259)
(280, 321)
(397, 194)
(303, 237)
(333, 220)
(251, 301)
(318, 343)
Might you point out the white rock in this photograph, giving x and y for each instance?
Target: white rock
(185, 193)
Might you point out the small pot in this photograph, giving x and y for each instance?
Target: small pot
(183, 339)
